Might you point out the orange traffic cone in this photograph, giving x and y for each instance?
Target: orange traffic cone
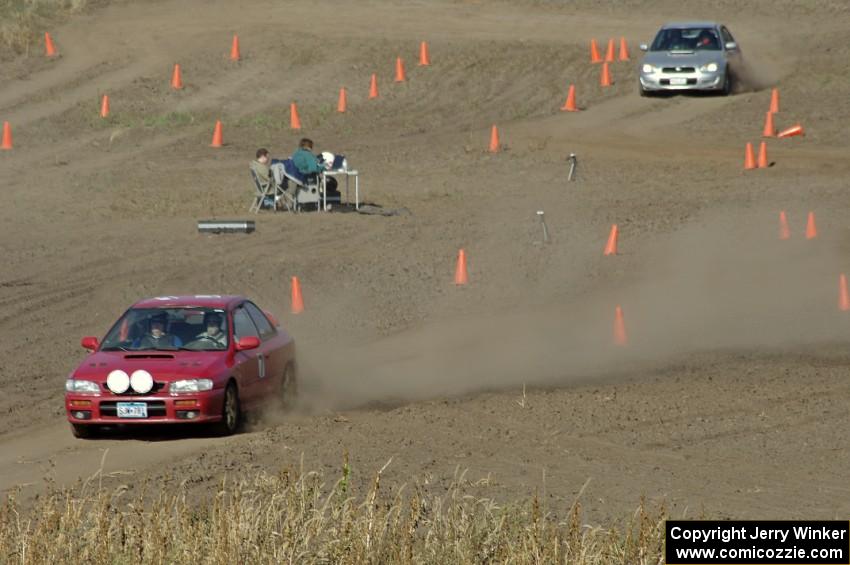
(49, 49)
(763, 163)
(104, 106)
(843, 295)
(749, 158)
(811, 227)
(791, 132)
(176, 79)
(297, 299)
(234, 49)
(609, 53)
(611, 246)
(570, 104)
(494, 139)
(424, 57)
(217, 140)
(594, 52)
(461, 276)
(342, 104)
(373, 87)
(7, 136)
(294, 120)
(769, 130)
(399, 70)
(620, 337)
(774, 101)
(624, 50)
(784, 231)
(605, 79)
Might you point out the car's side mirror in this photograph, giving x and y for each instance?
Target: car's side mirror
(90, 342)
(731, 45)
(249, 342)
(644, 47)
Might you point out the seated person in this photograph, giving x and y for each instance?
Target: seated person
(310, 165)
(707, 40)
(267, 169)
(156, 338)
(261, 166)
(214, 336)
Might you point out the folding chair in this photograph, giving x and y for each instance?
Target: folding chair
(262, 191)
(307, 188)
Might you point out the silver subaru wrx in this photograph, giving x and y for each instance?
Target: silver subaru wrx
(690, 56)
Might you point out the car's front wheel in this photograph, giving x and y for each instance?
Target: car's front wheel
(85, 431)
(727, 83)
(231, 412)
(289, 387)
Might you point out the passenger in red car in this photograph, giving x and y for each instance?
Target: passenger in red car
(157, 338)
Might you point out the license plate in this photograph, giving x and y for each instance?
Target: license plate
(678, 81)
(132, 410)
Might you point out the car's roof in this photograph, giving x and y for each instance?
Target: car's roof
(681, 25)
(190, 301)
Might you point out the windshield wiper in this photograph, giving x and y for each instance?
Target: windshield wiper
(116, 348)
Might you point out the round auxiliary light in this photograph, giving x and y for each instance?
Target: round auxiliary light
(141, 381)
(117, 381)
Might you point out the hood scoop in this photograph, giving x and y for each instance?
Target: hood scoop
(149, 356)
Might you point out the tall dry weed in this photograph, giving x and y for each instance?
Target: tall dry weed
(297, 517)
(22, 22)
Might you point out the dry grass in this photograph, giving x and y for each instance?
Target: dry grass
(297, 518)
(22, 22)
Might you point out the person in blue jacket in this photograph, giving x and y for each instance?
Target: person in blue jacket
(308, 164)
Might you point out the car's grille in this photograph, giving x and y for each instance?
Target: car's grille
(130, 392)
(666, 81)
(678, 69)
(155, 408)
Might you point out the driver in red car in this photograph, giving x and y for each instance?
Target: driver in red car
(157, 338)
(214, 334)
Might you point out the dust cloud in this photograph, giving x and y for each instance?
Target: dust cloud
(750, 76)
(724, 284)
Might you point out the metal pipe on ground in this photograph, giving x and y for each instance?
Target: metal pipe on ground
(226, 226)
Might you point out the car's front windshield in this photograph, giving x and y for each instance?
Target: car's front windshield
(686, 39)
(168, 329)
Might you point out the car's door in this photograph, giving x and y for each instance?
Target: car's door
(250, 364)
(271, 350)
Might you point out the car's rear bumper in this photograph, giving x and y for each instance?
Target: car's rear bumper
(682, 81)
(184, 409)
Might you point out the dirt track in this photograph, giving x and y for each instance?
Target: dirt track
(731, 396)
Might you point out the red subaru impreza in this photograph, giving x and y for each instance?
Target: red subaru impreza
(182, 359)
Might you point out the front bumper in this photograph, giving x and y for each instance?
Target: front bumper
(696, 80)
(101, 409)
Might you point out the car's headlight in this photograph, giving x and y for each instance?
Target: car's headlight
(709, 68)
(190, 385)
(75, 385)
(648, 69)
